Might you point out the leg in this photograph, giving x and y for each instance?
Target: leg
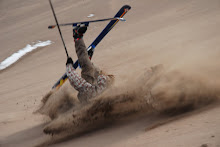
(89, 72)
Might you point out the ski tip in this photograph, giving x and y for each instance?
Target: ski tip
(51, 27)
(127, 6)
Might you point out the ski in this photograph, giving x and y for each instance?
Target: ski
(91, 48)
(86, 22)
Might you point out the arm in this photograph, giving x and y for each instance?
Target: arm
(77, 81)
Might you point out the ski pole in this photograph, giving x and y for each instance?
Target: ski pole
(58, 28)
(87, 22)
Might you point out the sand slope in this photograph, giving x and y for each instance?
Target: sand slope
(182, 35)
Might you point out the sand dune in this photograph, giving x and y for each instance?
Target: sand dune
(184, 36)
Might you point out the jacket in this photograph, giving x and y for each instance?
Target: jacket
(85, 89)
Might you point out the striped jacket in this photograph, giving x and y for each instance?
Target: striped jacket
(85, 89)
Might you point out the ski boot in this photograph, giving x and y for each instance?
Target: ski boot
(78, 32)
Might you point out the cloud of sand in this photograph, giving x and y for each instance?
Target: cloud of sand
(155, 90)
(188, 83)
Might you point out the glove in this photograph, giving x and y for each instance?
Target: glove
(69, 61)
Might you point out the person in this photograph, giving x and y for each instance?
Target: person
(92, 81)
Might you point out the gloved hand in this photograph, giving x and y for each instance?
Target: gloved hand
(69, 61)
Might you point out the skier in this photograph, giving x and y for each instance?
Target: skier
(92, 81)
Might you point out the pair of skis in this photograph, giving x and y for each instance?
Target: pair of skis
(91, 48)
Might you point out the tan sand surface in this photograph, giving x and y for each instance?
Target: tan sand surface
(181, 35)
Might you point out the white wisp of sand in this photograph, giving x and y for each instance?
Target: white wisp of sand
(16, 56)
(91, 15)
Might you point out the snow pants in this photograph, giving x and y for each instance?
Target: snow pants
(89, 71)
